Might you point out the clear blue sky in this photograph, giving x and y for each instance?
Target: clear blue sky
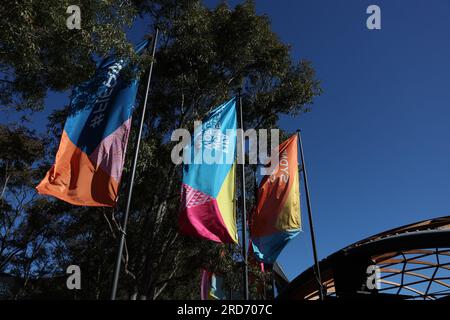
(377, 142)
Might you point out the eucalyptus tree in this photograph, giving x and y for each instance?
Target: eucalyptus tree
(204, 56)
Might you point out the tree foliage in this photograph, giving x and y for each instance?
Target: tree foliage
(205, 55)
(38, 52)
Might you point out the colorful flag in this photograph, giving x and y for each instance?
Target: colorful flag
(91, 154)
(207, 198)
(276, 219)
(212, 286)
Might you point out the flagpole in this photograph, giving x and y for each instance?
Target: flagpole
(272, 278)
(311, 226)
(133, 172)
(243, 204)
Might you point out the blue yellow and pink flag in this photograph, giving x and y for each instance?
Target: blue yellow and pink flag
(207, 206)
(211, 286)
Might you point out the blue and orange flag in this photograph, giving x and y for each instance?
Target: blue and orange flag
(207, 199)
(91, 153)
(276, 218)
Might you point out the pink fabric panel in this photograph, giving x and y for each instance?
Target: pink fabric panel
(110, 153)
(200, 216)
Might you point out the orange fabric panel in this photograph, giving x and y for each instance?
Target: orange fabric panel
(74, 179)
(274, 190)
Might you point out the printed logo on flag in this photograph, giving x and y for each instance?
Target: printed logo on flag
(276, 218)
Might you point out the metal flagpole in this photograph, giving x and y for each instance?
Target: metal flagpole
(243, 204)
(272, 277)
(311, 226)
(133, 171)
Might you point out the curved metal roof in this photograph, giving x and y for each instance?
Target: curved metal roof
(417, 251)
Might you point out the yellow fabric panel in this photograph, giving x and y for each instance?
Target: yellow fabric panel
(226, 203)
(289, 218)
